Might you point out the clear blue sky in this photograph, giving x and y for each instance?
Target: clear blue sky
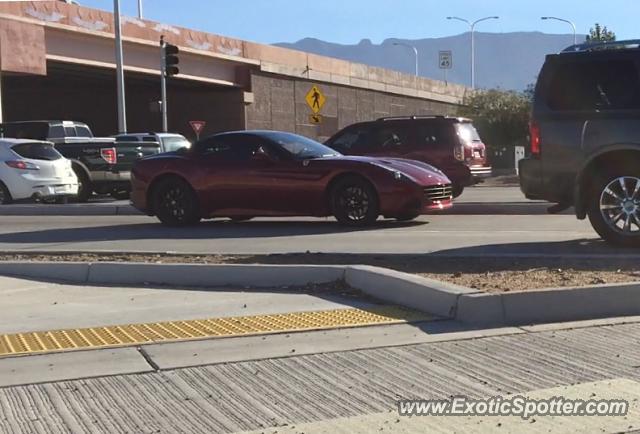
(349, 21)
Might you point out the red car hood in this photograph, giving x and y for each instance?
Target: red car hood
(422, 173)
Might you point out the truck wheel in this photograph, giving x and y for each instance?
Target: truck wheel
(354, 202)
(5, 196)
(84, 184)
(614, 208)
(175, 203)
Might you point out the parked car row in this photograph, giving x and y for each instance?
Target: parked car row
(395, 167)
(102, 165)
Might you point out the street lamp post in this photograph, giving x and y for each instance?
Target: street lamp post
(415, 52)
(139, 9)
(472, 26)
(122, 111)
(573, 26)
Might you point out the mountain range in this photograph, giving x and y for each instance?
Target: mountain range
(503, 60)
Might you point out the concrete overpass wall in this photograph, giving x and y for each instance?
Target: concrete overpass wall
(266, 84)
(280, 105)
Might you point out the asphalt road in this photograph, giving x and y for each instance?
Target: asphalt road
(484, 221)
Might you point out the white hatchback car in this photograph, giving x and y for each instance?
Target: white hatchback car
(32, 169)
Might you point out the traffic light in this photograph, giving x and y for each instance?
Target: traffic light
(170, 59)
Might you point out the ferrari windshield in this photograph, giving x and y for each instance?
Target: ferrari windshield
(301, 148)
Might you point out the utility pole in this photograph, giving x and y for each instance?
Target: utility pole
(472, 26)
(573, 26)
(122, 111)
(415, 52)
(140, 9)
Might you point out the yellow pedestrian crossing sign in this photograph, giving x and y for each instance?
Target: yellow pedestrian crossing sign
(315, 99)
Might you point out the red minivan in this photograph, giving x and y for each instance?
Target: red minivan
(451, 144)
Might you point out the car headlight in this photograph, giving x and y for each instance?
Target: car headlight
(397, 175)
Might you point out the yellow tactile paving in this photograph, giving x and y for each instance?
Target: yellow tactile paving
(134, 334)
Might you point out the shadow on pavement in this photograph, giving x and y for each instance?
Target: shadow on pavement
(502, 208)
(204, 231)
(576, 254)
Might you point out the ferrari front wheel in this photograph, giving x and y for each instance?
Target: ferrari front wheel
(354, 202)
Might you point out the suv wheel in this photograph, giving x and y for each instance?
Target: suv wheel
(614, 209)
(354, 202)
(175, 203)
(457, 190)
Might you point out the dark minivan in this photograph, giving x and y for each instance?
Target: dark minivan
(451, 144)
(585, 137)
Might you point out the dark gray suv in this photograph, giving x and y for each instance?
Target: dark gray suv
(585, 137)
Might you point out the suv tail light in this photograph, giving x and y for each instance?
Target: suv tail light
(459, 151)
(534, 132)
(109, 155)
(21, 165)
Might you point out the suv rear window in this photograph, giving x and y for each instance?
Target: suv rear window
(467, 132)
(36, 151)
(595, 85)
(432, 134)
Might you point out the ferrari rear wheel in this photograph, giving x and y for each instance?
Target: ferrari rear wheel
(175, 203)
(355, 202)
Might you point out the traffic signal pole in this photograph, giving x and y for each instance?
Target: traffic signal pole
(163, 84)
(168, 61)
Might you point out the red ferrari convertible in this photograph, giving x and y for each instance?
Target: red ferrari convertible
(244, 174)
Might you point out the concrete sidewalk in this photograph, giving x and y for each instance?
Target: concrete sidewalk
(31, 306)
(316, 392)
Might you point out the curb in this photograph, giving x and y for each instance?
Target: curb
(431, 296)
(67, 210)
(194, 275)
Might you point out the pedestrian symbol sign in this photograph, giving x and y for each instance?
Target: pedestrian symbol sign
(315, 99)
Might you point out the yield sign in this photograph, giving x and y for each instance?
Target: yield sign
(197, 126)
